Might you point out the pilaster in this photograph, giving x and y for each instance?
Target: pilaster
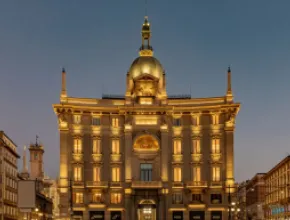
(64, 165)
(165, 153)
(128, 152)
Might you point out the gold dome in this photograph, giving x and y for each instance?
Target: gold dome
(146, 65)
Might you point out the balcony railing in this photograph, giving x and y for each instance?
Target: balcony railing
(216, 183)
(177, 158)
(78, 183)
(146, 184)
(216, 157)
(97, 157)
(116, 157)
(77, 157)
(115, 184)
(177, 184)
(196, 157)
(97, 184)
(194, 184)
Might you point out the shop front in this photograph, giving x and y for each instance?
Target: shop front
(177, 215)
(97, 215)
(196, 215)
(116, 215)
(216, 215)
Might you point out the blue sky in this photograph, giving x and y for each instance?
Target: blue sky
(96, 41)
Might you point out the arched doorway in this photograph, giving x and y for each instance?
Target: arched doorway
(147, 210)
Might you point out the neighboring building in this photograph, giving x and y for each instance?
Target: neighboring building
(52, 193)
(146, 155)
(8, 178)
(33, 203)
(277, 182)
(241, 200)
(255, 197)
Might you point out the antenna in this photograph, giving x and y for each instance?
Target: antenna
(146, 8)
(36, 144)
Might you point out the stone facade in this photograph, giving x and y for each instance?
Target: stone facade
(8, 178)
(146, 155)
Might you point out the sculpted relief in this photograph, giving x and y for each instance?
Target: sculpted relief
(146, 142)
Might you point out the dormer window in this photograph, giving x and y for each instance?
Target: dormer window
(96, 121)
(177, 122)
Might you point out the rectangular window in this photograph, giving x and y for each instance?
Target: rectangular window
(216, 198)
(115, 174)
(177, 174)
(97, 198)
(196, 198)
(77, 119)
(177, 198)
(215, 119)
(97, 146)
(115, 122)
(77, 173)
(97, 174)
(177, 122)
(77, 146)
(177, 146)
(115, 146)
(216, 175)
(96, 121)
(116, 198)
(215, 146)
(79, 198)
(146, 171)
(196, 174)
(196, 146)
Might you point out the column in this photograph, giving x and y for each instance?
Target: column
(128, 152)
(164, 154)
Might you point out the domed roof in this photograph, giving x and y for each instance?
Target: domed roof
(146, 65)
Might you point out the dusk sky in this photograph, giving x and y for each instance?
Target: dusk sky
(97, 40)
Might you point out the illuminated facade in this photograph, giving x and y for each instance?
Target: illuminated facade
(277, 191)
(146, 155)
(8, 178)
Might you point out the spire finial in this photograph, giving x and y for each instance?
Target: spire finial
(24, 161)
(36, 143)
(146, 49)
(63, 84)
(229, 85)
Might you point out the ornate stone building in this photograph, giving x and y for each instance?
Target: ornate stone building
(8, 178)
(146, 155)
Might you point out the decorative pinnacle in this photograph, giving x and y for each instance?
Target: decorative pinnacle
(229, 69)
(63, 70)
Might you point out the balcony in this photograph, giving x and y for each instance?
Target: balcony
(77, 157)
(196, 158)
(216, 184)
(97, 157)
(116, 158)
(116, 184)
(177, 158)
(196, 184)
(97, 184)
(78, 183)
(177, 184)
(216, 157)
(147, 184)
